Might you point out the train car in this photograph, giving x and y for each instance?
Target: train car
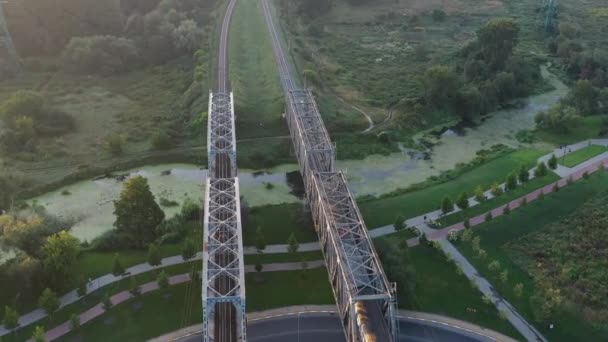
(363, 322)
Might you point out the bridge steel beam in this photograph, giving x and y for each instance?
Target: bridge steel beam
(223, 277)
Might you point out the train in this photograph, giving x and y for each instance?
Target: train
(363, 322)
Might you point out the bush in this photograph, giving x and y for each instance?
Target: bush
(167, 203)
(114, 144)
(161, 140)
(439, 15)
(111, 241)
(100, 55)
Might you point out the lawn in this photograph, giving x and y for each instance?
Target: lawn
(494, 235)
(589, 127)
(254, 76)
(521, 190)
(441, 289)
(139, 319)
(278, 222)
(584, 154)
(94, 298)
(383, 211)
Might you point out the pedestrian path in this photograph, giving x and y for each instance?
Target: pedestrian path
(126, 295)
(419, 222)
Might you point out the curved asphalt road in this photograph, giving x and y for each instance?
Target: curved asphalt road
(326, 327)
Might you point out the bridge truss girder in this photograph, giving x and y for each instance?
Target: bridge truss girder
(223, 279)
(352, 263)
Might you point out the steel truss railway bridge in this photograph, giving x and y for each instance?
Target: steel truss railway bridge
(366, 300)
(223, 277)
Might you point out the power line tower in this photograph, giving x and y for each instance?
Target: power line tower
(6, 43)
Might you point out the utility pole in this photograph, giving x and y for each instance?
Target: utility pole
(7, 41)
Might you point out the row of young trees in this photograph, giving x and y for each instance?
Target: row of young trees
(512, 181)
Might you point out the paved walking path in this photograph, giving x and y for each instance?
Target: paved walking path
(124, 296)
(426, 318)
(518, 322)
(419, 222)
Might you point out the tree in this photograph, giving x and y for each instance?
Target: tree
(423, 240)
(106, 301)
(463, 201)
(475, 243)
(292, 244)
(59, 255)
(154, 258)
(39, 335)
(189, 249)
(48, 301)
(467, 235)
(555, 187)
(507, 209)
(162, 280)
(524, 201)
(399, 223)
(518, 290)
(74, 322)
(82, 286)
(161, 140)
(260, 241)
(467, 223)
(558, 118)
(488, 216)
(137, 214)
(258, 266)
(117, 269)
(103, 55)
(135, 289)
(187, 36)
(584, 98)
(541, 196)
(496, 190)
(540, 170)
(552, 163)
(439, 15)
(511, 181)
(441, 86)
(11, 318)
(446, 205)
(524, 174)
(479, 194)
(26, 234)
(497, 39)
(494, 266)
(586, 175)
(504, 276)
(21, 103)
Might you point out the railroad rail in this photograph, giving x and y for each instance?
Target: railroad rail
(223, 276)
(366, 300)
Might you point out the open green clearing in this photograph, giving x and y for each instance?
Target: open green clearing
(589, 127)
(93, 298)
(278, 222)
(138, 320)
(485, 206)
(496, 234)
(584, 154)
(427, 281)
(383, 211)
(254, 75)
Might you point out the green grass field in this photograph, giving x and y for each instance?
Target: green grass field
(495, 202)
(584, 154)
(254, 76)
(278, 222)
(538, 214)
(378, 212)
(589, 127)
(139, 319)
(442, 290)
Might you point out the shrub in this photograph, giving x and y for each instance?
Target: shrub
(110, 241)
(511, 181)
(161, 140)
(479, 195)
(114, 144)
(552, 163)
(488, 216)
(446, 205)
(507, 209)
(463, 201)
(164, 202)
(100, 55)
(496, 190)
(540, 170)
